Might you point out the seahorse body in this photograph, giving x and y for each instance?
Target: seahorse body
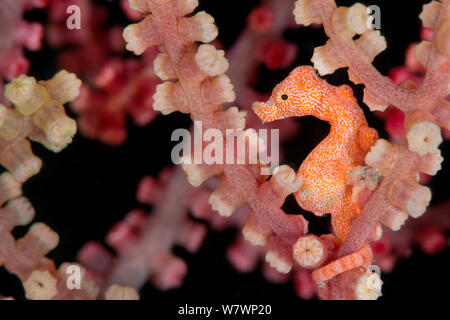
(324, 188)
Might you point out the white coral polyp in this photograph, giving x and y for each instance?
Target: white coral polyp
(163, 101)
(27, 169)
(116, 292)
(211, 60)
(22, 209)
(48, 238)
(140, 6)
(234, 118)
(20, 89)
(253, 236)
(227, 93)
(62, 131)
(324, 61)
(277, 262)
(196, 174)
(224, 208)
(163, 68)
(303, 13)
(378, 154)
(40, 285)
(186, 6)
(369, 286)
(287, 177)
(424, 137)
(419, 201)
(205, 27)
(357, 18)
(308, 251)
(393, 218)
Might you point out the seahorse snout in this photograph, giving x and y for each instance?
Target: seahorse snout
(266, 111)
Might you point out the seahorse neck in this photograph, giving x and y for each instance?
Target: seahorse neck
(344, 121)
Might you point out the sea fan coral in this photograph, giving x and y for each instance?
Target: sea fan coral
(318, 211)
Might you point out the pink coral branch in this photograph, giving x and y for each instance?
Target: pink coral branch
(135, 266)
(195, 82)
(381, 88)
(240, 183)
(399, 194)
(38, 115)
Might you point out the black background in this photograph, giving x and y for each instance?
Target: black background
(82, 191)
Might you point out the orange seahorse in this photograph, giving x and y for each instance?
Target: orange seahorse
(324, 188)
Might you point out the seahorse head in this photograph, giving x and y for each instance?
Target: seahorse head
(297, 95)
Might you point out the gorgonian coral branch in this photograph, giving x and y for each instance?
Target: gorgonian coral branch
(423, 134)
(131, 237)
(426, 109)
(38, 115)
(143, 243)
(200, 87)
(341, 24)
(195, 83)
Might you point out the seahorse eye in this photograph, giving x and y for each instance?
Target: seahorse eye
(284, 96)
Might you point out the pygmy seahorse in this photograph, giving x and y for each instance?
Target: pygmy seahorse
(324, 188)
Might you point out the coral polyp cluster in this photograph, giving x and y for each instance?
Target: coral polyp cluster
(38, 114)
